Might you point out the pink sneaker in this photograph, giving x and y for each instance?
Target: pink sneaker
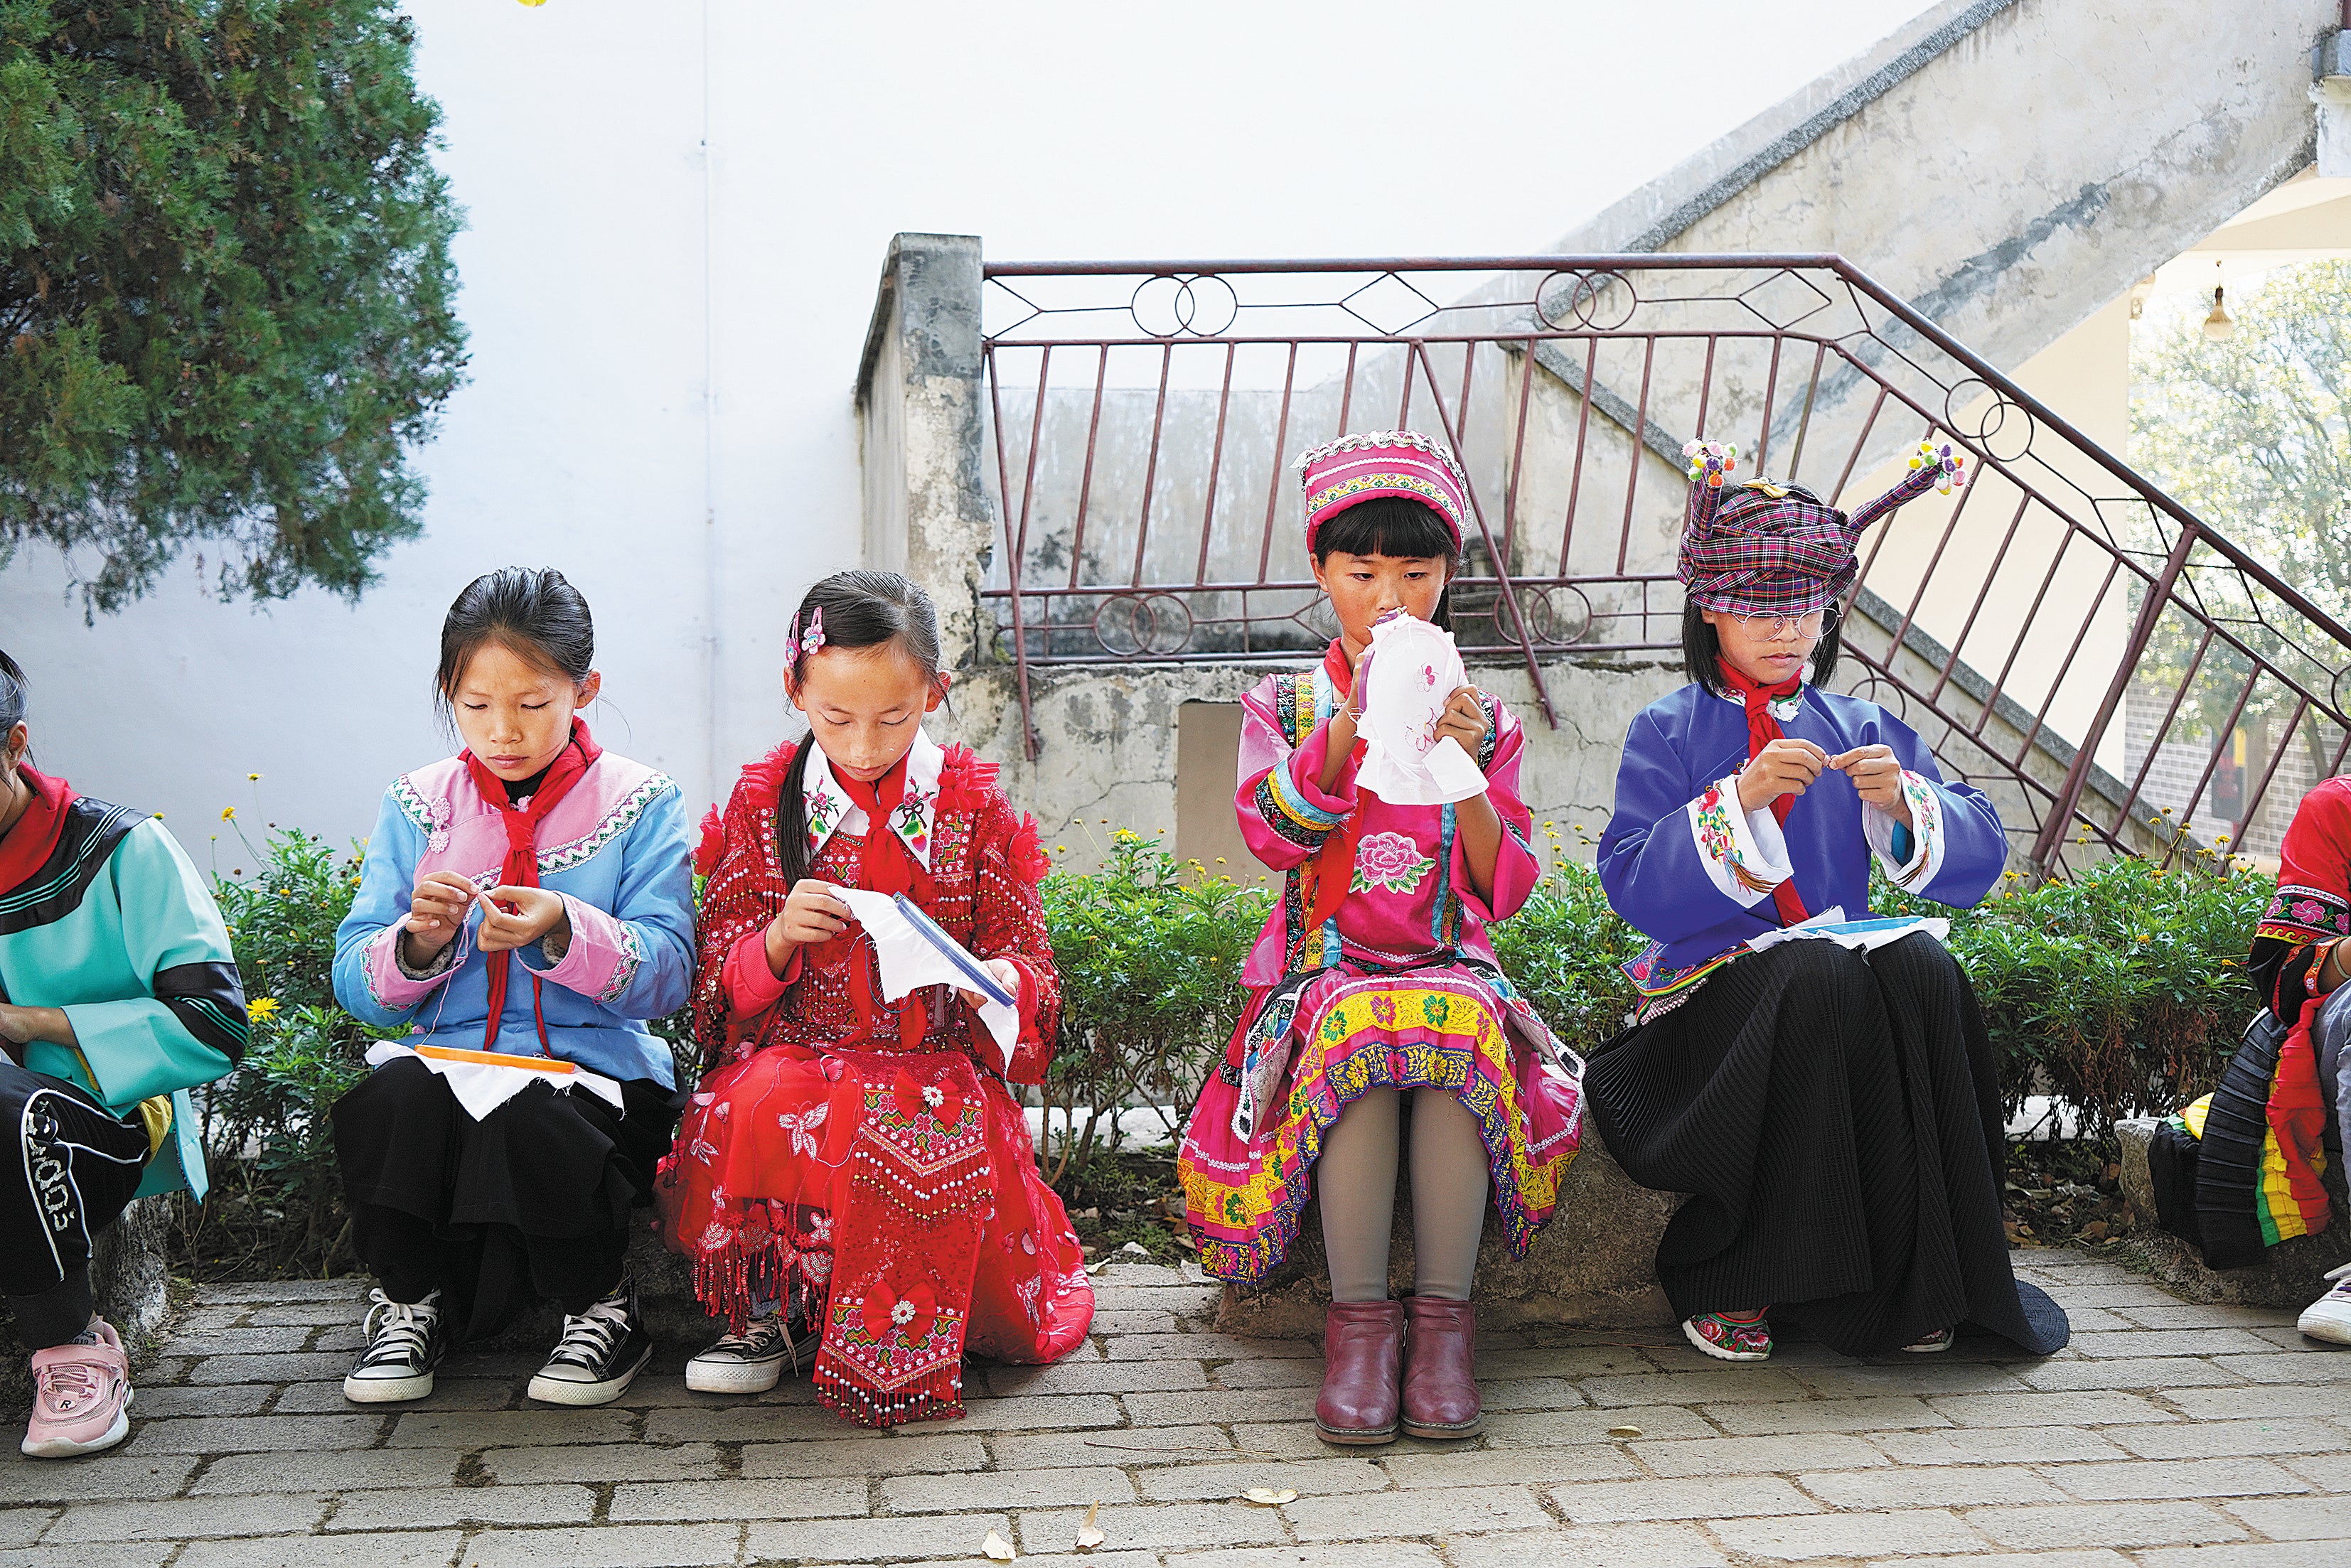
(81, 1397)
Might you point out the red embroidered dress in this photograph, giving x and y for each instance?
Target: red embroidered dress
(864, 1156)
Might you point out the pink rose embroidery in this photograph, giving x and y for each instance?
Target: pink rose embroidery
(1390, 860)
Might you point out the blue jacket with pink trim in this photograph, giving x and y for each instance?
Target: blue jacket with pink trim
(615, 848)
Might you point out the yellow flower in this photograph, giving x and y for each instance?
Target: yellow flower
(260, 1007)
(253, 778)
(226, 812)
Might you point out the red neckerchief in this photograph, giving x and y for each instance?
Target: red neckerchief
(28, 845)
(887, 865)
(1334, 862)
(1762, 729)
(520, 868)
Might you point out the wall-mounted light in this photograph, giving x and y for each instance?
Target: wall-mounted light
(2218, 325)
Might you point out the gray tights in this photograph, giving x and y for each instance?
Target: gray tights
(1356, 1177)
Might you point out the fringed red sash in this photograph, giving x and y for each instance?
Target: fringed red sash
(1334, 862)
(1762, 729)
(520, 867)
(906, 1243)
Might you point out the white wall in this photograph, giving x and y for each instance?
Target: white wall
(677, 215)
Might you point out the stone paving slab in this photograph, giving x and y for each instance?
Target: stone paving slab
(2168, 1435)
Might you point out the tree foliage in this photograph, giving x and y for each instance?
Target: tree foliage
(2254, 433)
(2254, 436)
(226, 300)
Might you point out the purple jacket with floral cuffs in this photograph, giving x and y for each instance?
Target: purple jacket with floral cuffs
(1687, 868)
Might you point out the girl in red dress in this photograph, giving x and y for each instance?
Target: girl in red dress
(850, 1163)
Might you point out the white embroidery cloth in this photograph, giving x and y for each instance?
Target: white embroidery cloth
(1413, 668)
(481, 1087)
(910, 961)
(1861, 936)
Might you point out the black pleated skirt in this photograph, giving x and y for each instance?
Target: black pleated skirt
(1836, 1119)
(532, 1202)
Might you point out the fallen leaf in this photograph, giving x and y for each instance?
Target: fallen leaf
(1088, 1536)
(1623, 1431)
(1269, 1497)
(999, 1550)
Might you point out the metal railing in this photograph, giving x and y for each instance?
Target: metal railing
(1145, 417)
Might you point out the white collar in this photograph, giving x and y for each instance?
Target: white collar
(830, 810)
(1781, 708)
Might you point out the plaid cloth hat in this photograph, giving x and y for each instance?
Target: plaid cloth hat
(1358, 468)
(1766, 548)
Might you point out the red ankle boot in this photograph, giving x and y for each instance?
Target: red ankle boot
(1440, 1370)
(1362, 1345)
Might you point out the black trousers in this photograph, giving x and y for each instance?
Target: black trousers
(1836, 1118)
(70, 1167)
(532, 1203)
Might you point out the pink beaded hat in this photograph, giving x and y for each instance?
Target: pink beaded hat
(1358, 468)
(1767, 548)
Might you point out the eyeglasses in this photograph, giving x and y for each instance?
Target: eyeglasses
(1778, 628)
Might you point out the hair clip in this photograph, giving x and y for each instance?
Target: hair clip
(813, 638)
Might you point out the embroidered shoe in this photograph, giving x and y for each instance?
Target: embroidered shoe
(405, 1340)
(2329, 1317)
(1929, 1344)
(600, 1351)
(752, 1361)
(1730, 1337)
(81, 1395)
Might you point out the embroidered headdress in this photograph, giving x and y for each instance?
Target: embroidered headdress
(1358, 468)
(1766, 548)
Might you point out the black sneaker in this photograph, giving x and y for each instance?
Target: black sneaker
(752, 1361)
(405, 1341)
(600, 1351)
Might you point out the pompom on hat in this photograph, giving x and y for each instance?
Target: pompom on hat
(1402, 463)
(1766, 548)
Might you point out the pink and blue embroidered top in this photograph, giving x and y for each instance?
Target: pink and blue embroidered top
(615, 849)
(1410, 900)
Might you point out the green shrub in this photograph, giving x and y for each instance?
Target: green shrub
(1150, 952)
(266, 1133)
(2120, 992)
(1563, 949)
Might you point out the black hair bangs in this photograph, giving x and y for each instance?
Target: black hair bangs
(1389, 526)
